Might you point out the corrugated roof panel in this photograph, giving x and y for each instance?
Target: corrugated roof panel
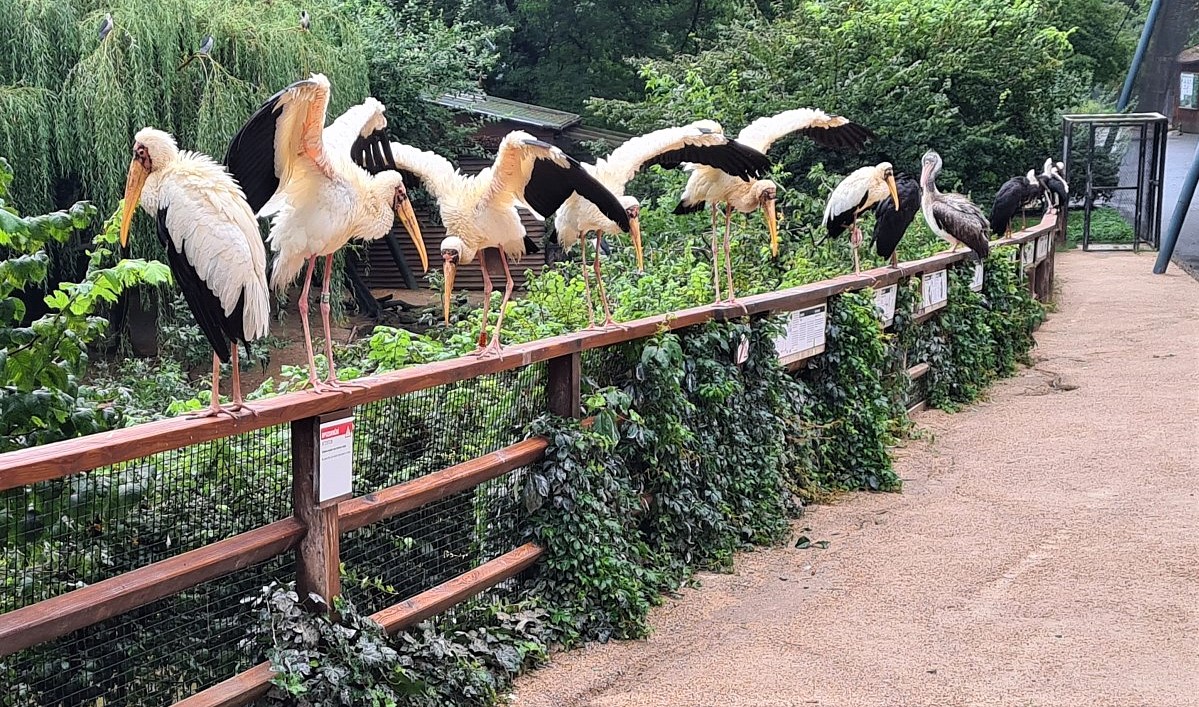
(506, 109)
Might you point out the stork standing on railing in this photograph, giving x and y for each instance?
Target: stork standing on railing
(951, 216)
(213, 247)
(890, 223)
(697, 143)
(1057, 190)
(1014, 195)
(480, 211)
(306, 179)
(710, 187)
(862, 189)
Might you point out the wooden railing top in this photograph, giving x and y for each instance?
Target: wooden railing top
(59, 459)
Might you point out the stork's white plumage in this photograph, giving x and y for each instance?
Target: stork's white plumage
(306, 178)
(480, 211)
(698, 143)
(861, 190)
(212, 244)
(712, 188)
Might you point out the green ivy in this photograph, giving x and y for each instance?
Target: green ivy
(959, 346)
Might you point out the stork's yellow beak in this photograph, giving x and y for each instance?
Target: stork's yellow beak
(133, 194)
(894, 192)
(772, 225)
(407, 217)
(451, 269)
(635, 234)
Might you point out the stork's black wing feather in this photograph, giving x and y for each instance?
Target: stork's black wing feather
(1008, 201)
(202, 301)
(839, 222)
(251, 154)
(1060, 192)
(851, 136)
(684, 208)
(890, 224)
(734, 158)
(960, 218)
(551, 184)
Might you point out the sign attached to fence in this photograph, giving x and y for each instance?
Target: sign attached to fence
(335, 474)
(884, 302)
(976, 280)
(804, 336)
(1028, 254)
(1042, 247)
(742, 350)
(934, 291)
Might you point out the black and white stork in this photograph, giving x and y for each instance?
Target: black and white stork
(890, 223)
(862, 189)
(1014, 196)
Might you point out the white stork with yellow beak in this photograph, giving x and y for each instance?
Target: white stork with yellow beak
(698, 143)
(213, 247)
(861, 190)
(306, 178)
(712, 187)
(480, 211)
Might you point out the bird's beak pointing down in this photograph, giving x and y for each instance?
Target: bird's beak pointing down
(133, 194)
(635, 234)
(894, 192)
(407, 217)
(451, 269)
(772, 225)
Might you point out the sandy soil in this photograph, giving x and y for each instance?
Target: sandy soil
(1045, 550)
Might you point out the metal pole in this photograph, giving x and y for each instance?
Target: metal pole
(1139, 56)
(1180, 215)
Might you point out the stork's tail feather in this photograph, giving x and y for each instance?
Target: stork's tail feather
(531, 245)
(685, 208)
(284, 271)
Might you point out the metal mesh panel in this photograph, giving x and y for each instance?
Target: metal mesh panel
(605, 367)
(59, 535)
(154, 655)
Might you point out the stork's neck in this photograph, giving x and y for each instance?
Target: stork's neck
(930, 187)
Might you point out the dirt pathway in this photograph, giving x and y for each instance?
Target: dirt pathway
(1045, 550)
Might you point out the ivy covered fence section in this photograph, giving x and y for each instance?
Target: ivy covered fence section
(494, 507)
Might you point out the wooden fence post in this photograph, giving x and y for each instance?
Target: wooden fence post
(564, 387)
(318, 556)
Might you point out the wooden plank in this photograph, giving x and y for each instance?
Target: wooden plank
(60, 459)
(56, 617)
(918, 370)
(253, 683)
(374, 507)
(434, 601)
(318, 560)
(564, 386)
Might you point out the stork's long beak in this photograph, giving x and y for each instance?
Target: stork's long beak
(635, 234)
(451, 269)
(133, 193)
(772, 225)
(894, 191)
(407, 217)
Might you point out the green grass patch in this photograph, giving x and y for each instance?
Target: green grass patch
(1107, 226)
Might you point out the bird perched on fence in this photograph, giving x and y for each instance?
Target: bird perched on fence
(305, 178)
(1057, 190)
(1014, 195)
(951, 216)
(711, 187)
(213, 247)
(862, 189)
(697, 143)
(480, 211)
(890, 223)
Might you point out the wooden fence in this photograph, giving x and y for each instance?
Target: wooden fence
(313, 531)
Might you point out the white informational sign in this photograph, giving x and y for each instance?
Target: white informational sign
(884, 302)
(337, 459)
(976, 281)
(934, 291)
(1042, 247)
(1187, 96)
(804, 336)
(1027, 254)
(743, 350)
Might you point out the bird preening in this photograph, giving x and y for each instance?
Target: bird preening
(861, 190)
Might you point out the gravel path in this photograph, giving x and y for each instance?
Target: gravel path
(1045, 550)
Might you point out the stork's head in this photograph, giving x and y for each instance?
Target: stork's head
(632, 209)
(152, 150)
(389, 186)
(930, 166)
(764, 193)
(454, 252)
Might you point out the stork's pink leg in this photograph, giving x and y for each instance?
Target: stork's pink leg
(494, 346)
(855, 240)
(586, 289)
(728, 256)
(486, 300)
(214, 406)
(239, 403)
(715, 257)
(326, 311)
(599, 282)
(313, 380)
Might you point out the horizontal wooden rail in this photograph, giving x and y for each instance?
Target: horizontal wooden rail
(248, 686)
(58, 459)
(60, 615)
(918, 371)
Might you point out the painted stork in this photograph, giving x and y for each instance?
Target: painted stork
(480, 211)
(713, 187)
(1057, 190)
(697, 143)
(1014, 195)
(951, 216)
(890, 223)
(306, 179)
(862, 189)
(213, 247)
